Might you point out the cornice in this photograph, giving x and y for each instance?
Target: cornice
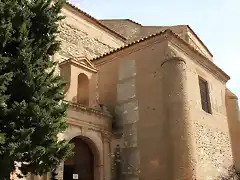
(201, 42)
(106, 136)
(173, 39)
(200, 59)
(85, 124)
(89, 110)
(77, 62)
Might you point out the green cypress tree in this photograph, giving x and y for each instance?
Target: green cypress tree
(4, 82)
(2, 139)
(32, 109)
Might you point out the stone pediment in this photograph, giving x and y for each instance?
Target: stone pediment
(81, 62)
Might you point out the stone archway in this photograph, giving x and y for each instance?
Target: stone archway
(81, 163)
(84, 162)
(98, 143)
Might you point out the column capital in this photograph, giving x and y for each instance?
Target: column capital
(106, 136)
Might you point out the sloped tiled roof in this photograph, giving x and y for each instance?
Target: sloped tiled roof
(143, 39)
(167, 31)
(132, 30)
(138, 31)
(125, 27)
(118, 20)
(131, 43)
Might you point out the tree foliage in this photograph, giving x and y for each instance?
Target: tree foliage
(2, 139)
(31, 107)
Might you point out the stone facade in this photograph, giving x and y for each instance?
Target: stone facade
(80, 37)
(135, 100)
(175, 138)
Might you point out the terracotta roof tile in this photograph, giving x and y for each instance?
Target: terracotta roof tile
(139, 40)
(125, 27)
(154, 35)
(116, 20)
(133, 21)
(95, 20)
(130, 44)
(132, 33)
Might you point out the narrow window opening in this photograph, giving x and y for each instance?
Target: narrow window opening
(204, 92)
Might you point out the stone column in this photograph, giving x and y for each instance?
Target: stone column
(234, 126)
(98, 172)
(176, 104)
(107, 157)
(60, 171)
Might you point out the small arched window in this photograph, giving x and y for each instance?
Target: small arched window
(83, 89)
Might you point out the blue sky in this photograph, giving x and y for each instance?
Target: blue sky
(216, 22)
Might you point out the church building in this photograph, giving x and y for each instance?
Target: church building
(146, 103)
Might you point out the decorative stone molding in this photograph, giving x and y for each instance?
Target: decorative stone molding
(66, 69)
(93, 138)
(79, 61)
(90, 110)
(106, 136)
(89, 126)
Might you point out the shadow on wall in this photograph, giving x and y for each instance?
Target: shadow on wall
(231, 175)
(82, 90)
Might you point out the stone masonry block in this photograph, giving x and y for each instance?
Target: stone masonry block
(126, 90)
(130, 135)
(130, 161)
(127, 69)
(129, 112)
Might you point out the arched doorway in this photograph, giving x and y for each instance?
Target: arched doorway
(83, 162)
(83, 89)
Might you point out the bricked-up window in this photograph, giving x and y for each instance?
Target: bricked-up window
(204, 92)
